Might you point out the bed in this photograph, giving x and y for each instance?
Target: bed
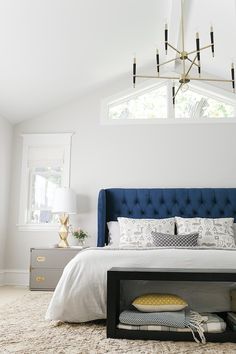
(80, 295)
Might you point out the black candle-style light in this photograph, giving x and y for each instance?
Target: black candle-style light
(173, 93)
(212, 41)
(158, 61)
(166, 37)
(134, 72)
(198, 52)
(233, 77)
(189, 63)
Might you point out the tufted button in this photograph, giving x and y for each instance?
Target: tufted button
(155, 212)
(142, 212)
(130, 212)
(194, 212)
(221, 212)
(149, 201)
(208, 213)
(161, 201)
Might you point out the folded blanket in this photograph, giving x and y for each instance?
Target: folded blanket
(232, 317)
(177, 319)
(214, 324)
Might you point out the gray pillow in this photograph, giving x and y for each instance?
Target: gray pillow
(165, 240)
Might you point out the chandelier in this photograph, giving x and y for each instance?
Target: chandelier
(189, 61)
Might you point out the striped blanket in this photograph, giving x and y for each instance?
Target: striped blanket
(213, 324)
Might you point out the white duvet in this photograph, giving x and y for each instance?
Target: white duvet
(80, 295)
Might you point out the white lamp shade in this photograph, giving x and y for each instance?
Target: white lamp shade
(64, 201)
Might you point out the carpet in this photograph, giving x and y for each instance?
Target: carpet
(23, 330)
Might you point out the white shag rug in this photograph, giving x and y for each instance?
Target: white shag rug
(24, 330)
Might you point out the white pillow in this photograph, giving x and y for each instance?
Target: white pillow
(217, 233)
(138, 232)
(113, 233)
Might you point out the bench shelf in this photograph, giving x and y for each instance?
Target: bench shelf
(116, 275)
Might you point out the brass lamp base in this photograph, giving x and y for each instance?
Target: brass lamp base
(63, 232)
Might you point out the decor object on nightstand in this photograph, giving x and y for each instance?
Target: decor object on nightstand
(64, 204)
(79, 235)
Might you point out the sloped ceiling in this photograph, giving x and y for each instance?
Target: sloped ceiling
(52, 51)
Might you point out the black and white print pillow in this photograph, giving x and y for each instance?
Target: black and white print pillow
(216, 233)
(136, 233)
(165, 240)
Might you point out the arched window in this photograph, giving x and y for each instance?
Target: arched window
(147, 104)
(195, 105)
(154, 103)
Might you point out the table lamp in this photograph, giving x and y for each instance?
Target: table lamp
(64, 205)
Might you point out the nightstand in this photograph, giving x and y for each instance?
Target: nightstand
(47, 265)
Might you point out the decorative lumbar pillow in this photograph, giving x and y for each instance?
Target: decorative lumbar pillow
(217, 233)
(138, 232)
(113, 233)
(159, 302)
(163, 240)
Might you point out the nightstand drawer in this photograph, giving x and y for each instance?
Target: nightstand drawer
(51, 258)
(44, 279)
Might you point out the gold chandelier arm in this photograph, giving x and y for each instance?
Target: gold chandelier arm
(192, 61)
(195, 51)
(191, 65)
(156, 77)
(206, 79)
(177, 91)
(175, 49)
(168, 61)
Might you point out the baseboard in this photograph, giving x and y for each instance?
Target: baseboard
(18, 277)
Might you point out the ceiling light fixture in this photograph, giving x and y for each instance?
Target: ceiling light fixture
(185, 76)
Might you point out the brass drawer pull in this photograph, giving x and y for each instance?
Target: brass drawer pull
(41, 259)
(39, 279)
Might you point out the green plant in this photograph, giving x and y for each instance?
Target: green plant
(80, 234)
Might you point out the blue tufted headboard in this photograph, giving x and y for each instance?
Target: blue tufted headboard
(162, 203)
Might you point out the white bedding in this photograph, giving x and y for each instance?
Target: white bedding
(80, 295)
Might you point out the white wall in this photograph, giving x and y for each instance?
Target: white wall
(5, 164)
(180, 155)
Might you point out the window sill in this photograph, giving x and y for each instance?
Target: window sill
(34, 227)
(167, 121)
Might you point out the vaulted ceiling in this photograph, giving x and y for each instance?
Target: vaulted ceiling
(52, 51)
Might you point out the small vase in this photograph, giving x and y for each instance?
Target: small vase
(80, 243)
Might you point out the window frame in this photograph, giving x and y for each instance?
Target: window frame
(202, 88)
(41, 140)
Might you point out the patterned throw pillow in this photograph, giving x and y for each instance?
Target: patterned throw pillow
(216, 233)
(163, 240)
(159, 302)
(138, 232)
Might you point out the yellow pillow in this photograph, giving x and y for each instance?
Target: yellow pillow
(159, 302)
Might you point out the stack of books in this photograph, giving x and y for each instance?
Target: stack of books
(231, 319)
